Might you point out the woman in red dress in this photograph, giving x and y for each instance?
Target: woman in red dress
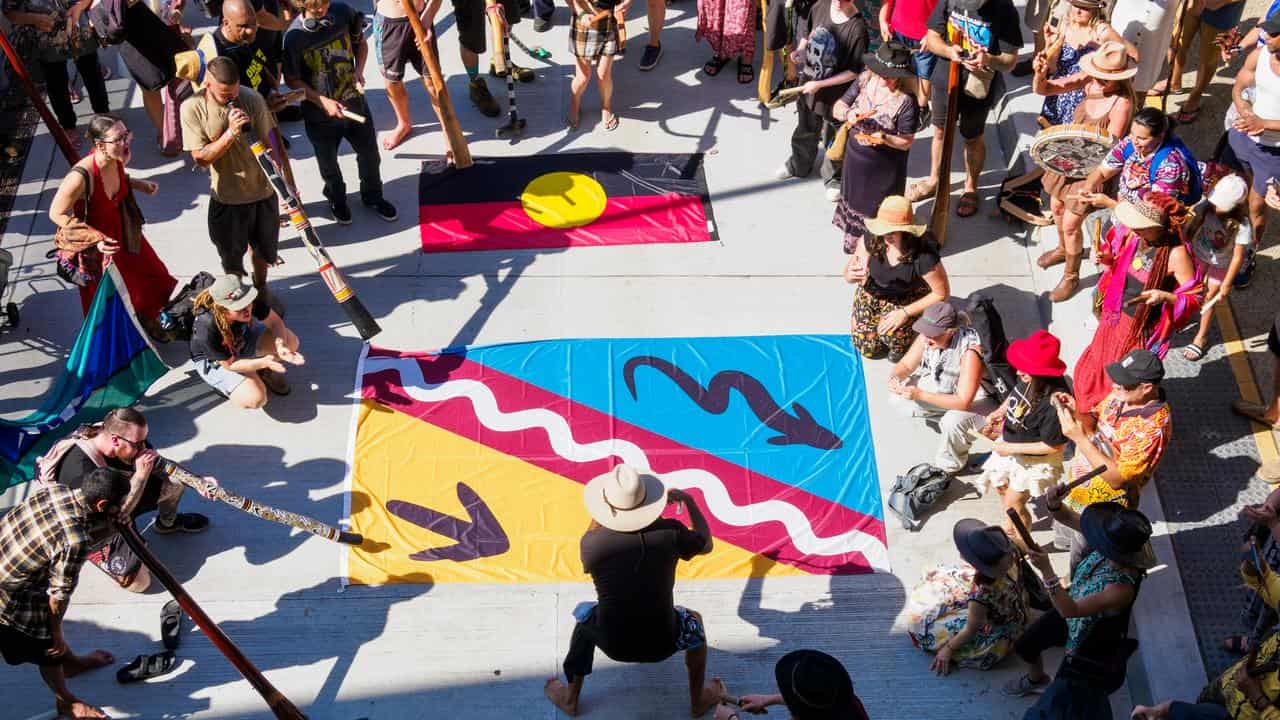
(1152, 286)
(145, 276)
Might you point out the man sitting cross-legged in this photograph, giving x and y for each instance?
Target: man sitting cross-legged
(631, 554)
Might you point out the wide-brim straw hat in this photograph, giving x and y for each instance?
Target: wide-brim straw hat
(895, 215)
(1139, 215)
(1110, 61)
(625, 499)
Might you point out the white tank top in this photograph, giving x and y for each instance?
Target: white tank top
(1267, 99)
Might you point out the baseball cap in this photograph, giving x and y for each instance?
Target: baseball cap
(1227, 193)
(936, 319)
(231, 293)
(1139, 366)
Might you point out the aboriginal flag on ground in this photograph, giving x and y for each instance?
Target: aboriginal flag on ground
(566, 200)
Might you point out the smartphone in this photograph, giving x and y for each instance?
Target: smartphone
(1273, 183)
(1053, 21)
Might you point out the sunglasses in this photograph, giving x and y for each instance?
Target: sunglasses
(137, 446)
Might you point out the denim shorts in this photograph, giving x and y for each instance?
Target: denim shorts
(923, 59)
(226, 381)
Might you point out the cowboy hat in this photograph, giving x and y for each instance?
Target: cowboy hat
(624, 499)
(1089, 4)
(890, 60)
(895, 215)
(1118, 534)
(1110, 61)
(1037, 354)
(815, 686)
(986, 547)
(1139, 214)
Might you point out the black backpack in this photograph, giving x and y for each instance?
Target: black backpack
(177, 317)
(998, 375)
(914, 493)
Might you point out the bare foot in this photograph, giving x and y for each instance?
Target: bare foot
(76, 664)
(558, 693)
(712, 694)
(397, 135)
(79, 710)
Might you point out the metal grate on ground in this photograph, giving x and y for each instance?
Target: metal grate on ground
(1206, 476)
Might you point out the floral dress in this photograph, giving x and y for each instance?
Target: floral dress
(1060, 109)
(1091, 576)
(939, 608)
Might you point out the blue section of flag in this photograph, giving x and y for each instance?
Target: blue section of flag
(821, 374)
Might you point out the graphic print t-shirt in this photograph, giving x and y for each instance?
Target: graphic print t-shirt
(325, 58)
(990, 25)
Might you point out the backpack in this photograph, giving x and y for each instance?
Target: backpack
(998, 375)
(1195, 189)
(915, 492)
(176, 318)
(820, 54)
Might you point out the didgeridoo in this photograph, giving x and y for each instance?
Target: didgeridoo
(765, 85)
(338, 287)
(497, 37)
(280, 705)
(942, 193)
(433, 79)
(257, 509)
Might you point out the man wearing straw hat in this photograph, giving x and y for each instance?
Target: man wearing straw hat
(631, 553)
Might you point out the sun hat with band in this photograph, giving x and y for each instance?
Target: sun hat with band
(625, 499)
(1140, 214)
(1089, 4)
(986, 547)
(230, 293)
(1118, 534)
(815, 686)
(1037, 354)
(1110, 61)
(895, 215)
(936, 320)
(890, 60)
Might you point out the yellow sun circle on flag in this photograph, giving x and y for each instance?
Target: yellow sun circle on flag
(563, 199)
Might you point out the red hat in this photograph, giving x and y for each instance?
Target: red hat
(1037, 354)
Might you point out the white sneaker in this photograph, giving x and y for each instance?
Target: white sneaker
(783, 173)
(833, 194)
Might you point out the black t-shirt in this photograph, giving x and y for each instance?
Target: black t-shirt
(1026, 424)
(206, 341)
(852, 40)
(634, 574)
(256, 68)
(325, 58)
(76, 464)
(993, 25)
(896, 282)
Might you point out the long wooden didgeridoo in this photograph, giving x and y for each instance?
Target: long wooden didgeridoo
(257, 509)
(496, 37)
(55, 129)
(280, 705)
(764, 87)
(942, 193)
(440, 102)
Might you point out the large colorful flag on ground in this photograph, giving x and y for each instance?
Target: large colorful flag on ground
(566, 200)
(468, 465)
(112, 364)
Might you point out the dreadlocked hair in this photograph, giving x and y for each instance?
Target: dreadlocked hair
(1177, 217)
(204, 302)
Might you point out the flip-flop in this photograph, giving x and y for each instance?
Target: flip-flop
(1186, 117)
(968, 205)
(612, 123)
(145, 667)
(1236, 645)
(1193, 353)
(171, 625)
(573, 124)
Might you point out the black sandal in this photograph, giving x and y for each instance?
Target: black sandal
(171, 625)
(713, 66)
(145, 667)
(746, 73)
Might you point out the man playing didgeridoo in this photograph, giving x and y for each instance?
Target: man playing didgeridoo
(43, 543)
(119, 443)
(631, 553)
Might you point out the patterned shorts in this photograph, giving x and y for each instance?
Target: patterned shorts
(867, 311)
(692, 634)
(594, 41)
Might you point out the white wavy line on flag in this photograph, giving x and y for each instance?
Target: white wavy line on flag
(561, 437)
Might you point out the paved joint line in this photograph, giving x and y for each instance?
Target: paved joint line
(1238, 356)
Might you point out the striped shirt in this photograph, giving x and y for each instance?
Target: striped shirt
(43, 543)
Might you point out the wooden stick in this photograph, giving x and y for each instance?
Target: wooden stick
(266, 512)
(942, 193)
(1023, 532)
(765, 85)
(55, 129)
(356, 117)
(788, 92)
(279, 704)
(455, 142)
(498, 38)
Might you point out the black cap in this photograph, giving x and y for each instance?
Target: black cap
(1139, 366)
(1271, 26)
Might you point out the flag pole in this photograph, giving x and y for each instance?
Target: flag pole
(55, 129)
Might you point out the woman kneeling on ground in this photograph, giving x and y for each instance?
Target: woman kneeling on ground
(898, 274)
(239, 346)
(970, 615)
